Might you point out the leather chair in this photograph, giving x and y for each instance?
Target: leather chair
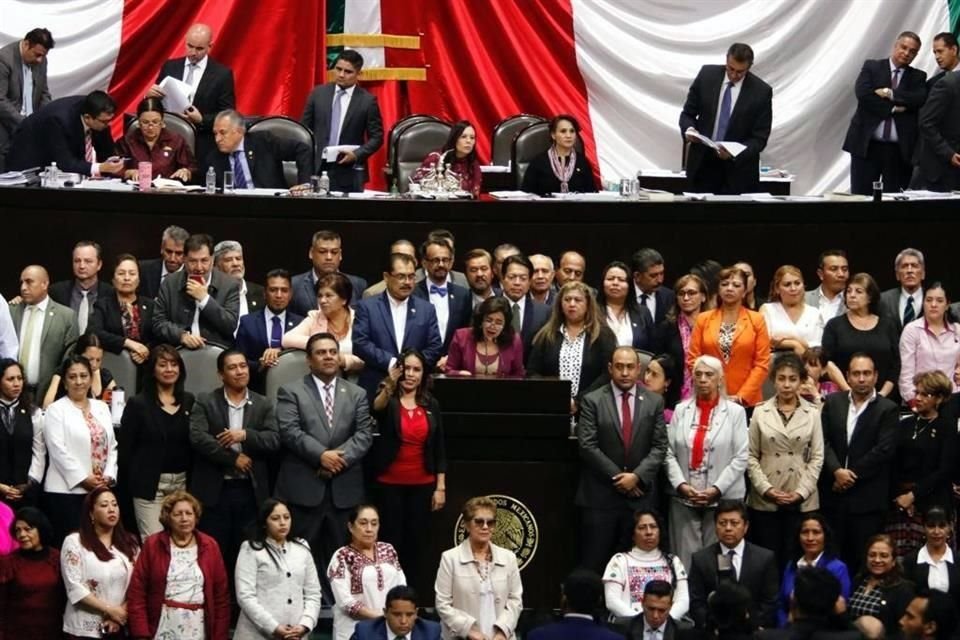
(528, 144)
(414, 143)
(201, 368)
(645, 358)
(287, 129)
(175, 123)
(505, 132)
(291, 366)
(403, 123)
(124, 370)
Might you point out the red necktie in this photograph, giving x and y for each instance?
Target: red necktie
(626, 421)
(696, 456)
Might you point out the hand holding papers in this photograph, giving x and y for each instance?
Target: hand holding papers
(732, 148)
(330, 154)
(177, 95)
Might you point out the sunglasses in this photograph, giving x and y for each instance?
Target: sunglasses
(480, 522)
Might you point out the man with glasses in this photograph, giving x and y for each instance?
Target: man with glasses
(449, 300)
(386, 325)
(529, 316)
(74, 132)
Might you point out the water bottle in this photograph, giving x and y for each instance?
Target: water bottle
(211, 180)
(53, 176)
(323, 189)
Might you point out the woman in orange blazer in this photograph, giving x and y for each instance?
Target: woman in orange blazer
(737, 336)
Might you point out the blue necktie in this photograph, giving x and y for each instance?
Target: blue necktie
(276, 333)
(334, 138)
(725, 109)
(239, 179)
(440, 291)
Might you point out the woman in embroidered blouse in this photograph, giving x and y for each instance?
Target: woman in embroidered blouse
(880, 592)
(791, 323)
(97, 562)
(479, 595)
(630, 322)
(362, 572)
(706, 457)
(23, 454)
(560, 169)
(123, 321)
(101, 381)
(628, 574)
(737, 336)
(459, 155)
(815, 539)
(672, 335)
(490, 346)
(333, 315)
(278, 588)
(929, 343)
(179, 588)
(78, 433)
(152, 142)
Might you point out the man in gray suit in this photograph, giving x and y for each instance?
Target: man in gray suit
(197, 304)
(23, 82)
(623, 440)
(45, 329)
(834, 271)
(904, 304)
(344, 114)
(937, 156)
(326, 430)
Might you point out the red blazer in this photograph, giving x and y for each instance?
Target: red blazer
(749, 357)
(462, 355)
(149, 584)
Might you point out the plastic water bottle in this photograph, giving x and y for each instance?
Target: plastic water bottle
(53, 176)
(323, 189)
(211, 180)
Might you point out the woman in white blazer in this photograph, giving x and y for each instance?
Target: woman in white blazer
(706, 458)
(278, 588)
(786, 454)
(78, 432)
(478, 590)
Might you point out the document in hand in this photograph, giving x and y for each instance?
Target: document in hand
(733, 148)
(330, 153)
(177, 94)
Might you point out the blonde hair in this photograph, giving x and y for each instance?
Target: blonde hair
(778, 276)
(471, 506)
(166, 508)
(592, 322)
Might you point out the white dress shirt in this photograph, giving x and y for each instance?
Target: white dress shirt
(40, 311)
(235, 423)
(829, 309)
(737, 558)
(195, 327)
(9, 343)
(26, 107)
(938, 577)
(398, 310)
(917, 302)
(441, 304)
(854, 413)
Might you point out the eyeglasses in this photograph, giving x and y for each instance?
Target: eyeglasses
(482, 522)
(439, 260)
(404, 277)
(493, 323)
(687, 293)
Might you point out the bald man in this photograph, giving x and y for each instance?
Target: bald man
(212, 84)
(571, 269)
(44, 328)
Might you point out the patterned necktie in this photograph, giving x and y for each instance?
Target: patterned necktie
(888, 123)
(725, 109)
(334, 138)
(626, 422)
(239, 179)
(328, 402)
(88, 153)
(276, 333)
(191, 68)
(909, 313)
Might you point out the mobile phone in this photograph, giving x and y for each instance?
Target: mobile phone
(196, 278)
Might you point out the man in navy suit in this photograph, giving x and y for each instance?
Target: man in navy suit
(326, 254)
(582, 594)
(74, 132)
(450, 301)
(342, 113)
(727, 104)
(399, 620)
(883, 132)
(385, 325)
(529, 316)
(648, 273)
(260, 332)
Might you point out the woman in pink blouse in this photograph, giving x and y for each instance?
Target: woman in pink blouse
(929, 343)
(459, 155)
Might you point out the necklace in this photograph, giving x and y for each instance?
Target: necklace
(562, 171)
(341, 332)
(922, 425)
(183, 546)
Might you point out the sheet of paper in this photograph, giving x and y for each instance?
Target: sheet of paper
(514, 195)
(167, 184)
(109, 184)
(258, 192)
(702, 138)
(660, 173)
(177, 94)
(494, 168)
(733, 148)
(330, 153)
(369, 194)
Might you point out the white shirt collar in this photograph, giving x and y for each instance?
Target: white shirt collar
(321, 385)
(270, 315)
(916, 295)
(396, 304)
(873, 396)
(923, 556)
(201, 66)
(737, 549)
(802, 562)
(43, 304)
(349, 90)
(583, 616)
(243, 403)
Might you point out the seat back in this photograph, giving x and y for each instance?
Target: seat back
(531, 141)
(413, 144)
(506, 131)
(178, 125)
(124, 370)
(645, 358)
(291, 366)
(287, 129)
(201, 368)
(403, 123)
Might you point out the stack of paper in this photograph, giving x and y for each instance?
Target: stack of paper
(733, 148)
(177, 94)
(12, 178)
(514, 195)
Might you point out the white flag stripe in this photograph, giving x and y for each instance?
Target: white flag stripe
(363, 16)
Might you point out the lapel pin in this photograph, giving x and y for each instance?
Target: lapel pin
(413, 311)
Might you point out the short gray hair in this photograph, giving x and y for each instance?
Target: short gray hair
(224, 247)
(713, 363)
(544, 257)
(234, 116)
(175, 233)
(908, 253)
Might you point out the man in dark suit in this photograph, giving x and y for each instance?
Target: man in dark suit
(727, 104)
(529, 316)
(343, 113)
(904, 304)
(197, 304)
(326, 430)
(542, 287)
(83, 291)
(385, 325)
(655, 621)
(261, 332)
(399, 620)
(325, 254)
(623, 440)
(450, 301)
(859, 439)
(478, 268)
(938, 150)
(582, 596)
(648, 270)
(23, 82)
(883, 131)
(736, 560)
(74, 132)
(155, 270)
(256, 159)
(233, 431)
(812, 606)
(228, 258)
(212, 84)
(946, 51)
(572, 268)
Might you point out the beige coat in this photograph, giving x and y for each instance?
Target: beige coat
(458, 590)
(786, 458)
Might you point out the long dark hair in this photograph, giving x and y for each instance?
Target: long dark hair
(630, 304)
(257, 530)
(26, 398)
(494, 304)
(125, 542)
(423, 396)
(164, 352)
(451, 144)
(829, 544)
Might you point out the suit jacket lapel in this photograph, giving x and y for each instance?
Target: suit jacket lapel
(248, 411)
(411, 318)
(311, 386)
(386, 316)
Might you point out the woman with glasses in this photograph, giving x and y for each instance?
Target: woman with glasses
(490, 346)
(168, 152)
(478, 590)
(672, 334)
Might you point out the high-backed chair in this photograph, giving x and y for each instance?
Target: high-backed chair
(528, 144)
(413, 144)
(201, 368)
(287, 129)
(124, 370)
(395, 131)
(504, 133)
(177, 124)
(291, 366)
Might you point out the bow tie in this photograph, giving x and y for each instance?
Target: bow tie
(440, 291)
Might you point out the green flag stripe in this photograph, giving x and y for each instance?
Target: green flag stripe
(954, 7)
(336, 10)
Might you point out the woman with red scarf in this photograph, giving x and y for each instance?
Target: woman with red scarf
(706, 458)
